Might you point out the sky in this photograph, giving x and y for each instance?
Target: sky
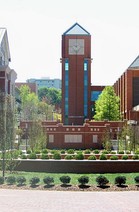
(35, 28)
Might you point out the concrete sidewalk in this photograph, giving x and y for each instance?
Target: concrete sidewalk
(59, 201)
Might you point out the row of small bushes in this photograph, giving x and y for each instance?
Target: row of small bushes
(65, 179)
(78, 156)
(73, 151)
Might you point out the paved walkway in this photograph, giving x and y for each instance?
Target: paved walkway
(59, 201)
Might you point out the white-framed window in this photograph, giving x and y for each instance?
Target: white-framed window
(73, 139)
(95, 139)
(51, 138)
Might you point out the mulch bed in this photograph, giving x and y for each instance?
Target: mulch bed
(109, 188)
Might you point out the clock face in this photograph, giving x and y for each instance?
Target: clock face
(76, 46)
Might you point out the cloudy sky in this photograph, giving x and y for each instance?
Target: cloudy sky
(35, 28)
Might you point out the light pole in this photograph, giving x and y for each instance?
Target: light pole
(26, 127)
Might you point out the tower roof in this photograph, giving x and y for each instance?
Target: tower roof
(135, 63)
(76, 29)
(4, 47)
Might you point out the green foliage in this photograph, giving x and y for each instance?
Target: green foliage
(121, 152)
(107, 105)
(70, 151)
(83, 180)
(128, 152)
(96, 151)
(105, 152)
(11, 180)
(48, 180)
(32, 156)
(102, 180)
(68, 157)
(62, 151)
(92, 157)
(29, 151)
(34, 180)
(87, 151)
(21, 180)
(136, 179)
(79, 156)
(112, 152)
(23, 157)
(135, 157)
(114, 157)
(44, 156)
(1, 180)
(103, 157)
(65, 179)
(45, 151)
(52, 95)
(57, 156)
(37, 151)
(120, 180)
(124, 157)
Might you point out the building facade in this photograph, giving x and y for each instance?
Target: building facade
(7, 75)
(46, 82)
(127, 88)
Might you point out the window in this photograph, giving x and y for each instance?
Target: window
(73, 139)
(95, 95)
(95, 138)
(66, 90)
(51, 138)
(85, 88)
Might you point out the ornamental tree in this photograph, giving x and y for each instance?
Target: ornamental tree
(107, 106)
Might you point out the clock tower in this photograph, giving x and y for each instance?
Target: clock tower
(76, 75)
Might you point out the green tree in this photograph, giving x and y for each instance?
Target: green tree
(107, 106)
(50, 95)
(29, 103)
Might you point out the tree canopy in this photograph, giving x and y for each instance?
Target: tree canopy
(107, 106)
(52, 95)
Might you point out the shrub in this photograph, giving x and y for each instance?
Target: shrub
(23, 157)
(37, 151)
(136, 179)
(34, 180)
(103, 157)
(62, 151)
(29, 151)
(128, 152)
(120, 180)
(87, 151)
(124, 157)
(79, 156)
(53, 151)
(70, 151)
(45, 151)
(105, 152)
(137, 151)
(83, 180)
(96, 151)
(11, 180)
(69, 157)
(1, 180)
(48, 180)
(102, 180)
(32, 156)
(44, 156)
(57, 156)
(112, 152)
(21, 180)
(92, 157)
(135, 157)
(114, 157)
(65, 179)
(121, 152)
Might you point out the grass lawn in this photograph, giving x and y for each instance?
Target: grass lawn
(74, 177)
